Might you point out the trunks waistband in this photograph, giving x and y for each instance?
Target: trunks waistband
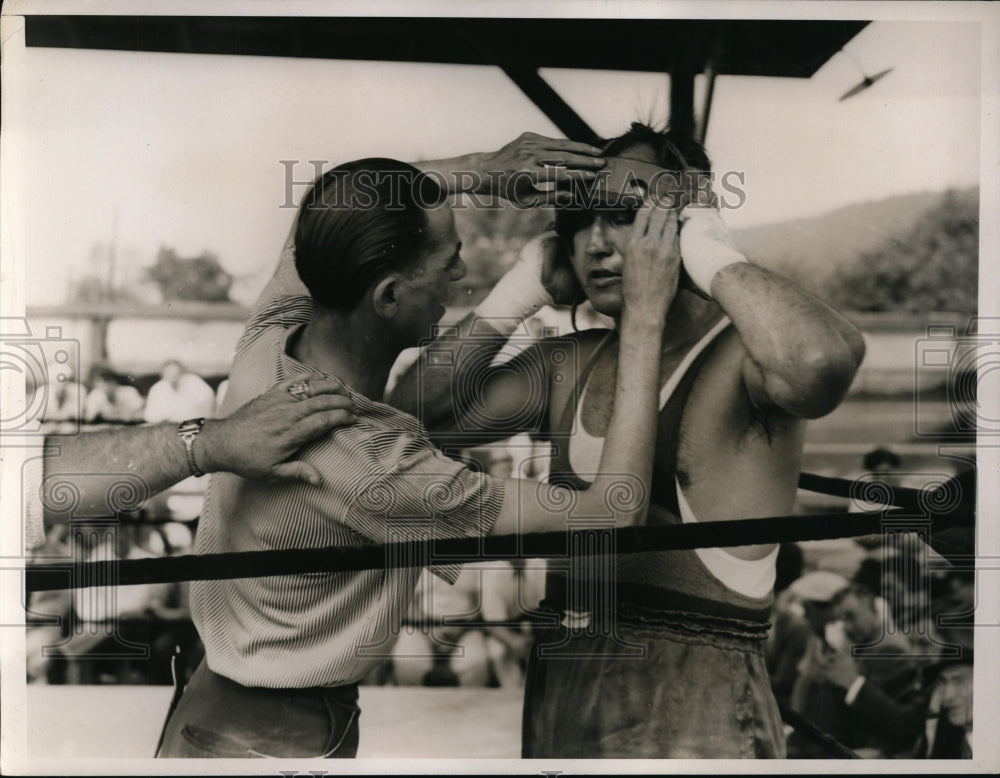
(626, 597)
(682, 625)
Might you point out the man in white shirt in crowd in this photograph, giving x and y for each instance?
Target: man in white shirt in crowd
(179, 395)
(111, 400)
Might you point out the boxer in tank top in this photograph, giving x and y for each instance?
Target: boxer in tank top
(657, 654)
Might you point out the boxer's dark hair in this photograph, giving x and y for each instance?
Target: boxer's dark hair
(358, 222)
(673, 151)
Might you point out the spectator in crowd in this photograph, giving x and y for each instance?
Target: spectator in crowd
(179, 395)
(881, 460)
(433, 649)
(953, 606)
(948, 725)
(789, 635)
(875, 697)
(110, 626)
(171, 626)
(880, 465)
(898, 578)
(47, 612)
(128, 540)
(810, 696)
(63, 395)
(506, 608)
(110, 399)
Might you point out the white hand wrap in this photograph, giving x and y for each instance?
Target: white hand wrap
(706, 245)
(520, 293)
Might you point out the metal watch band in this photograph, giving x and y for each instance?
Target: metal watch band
(188, 431)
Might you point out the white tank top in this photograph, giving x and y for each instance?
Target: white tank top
(750, 577)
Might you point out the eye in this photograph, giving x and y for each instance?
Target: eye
(622, 217)
(576, 220)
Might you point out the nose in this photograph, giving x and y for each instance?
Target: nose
(459, 270)
(598, 243)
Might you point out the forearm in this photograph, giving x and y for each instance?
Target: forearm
(430, 389)
(146, 459)
(453, 372)
(627, 457)
(426, 388)
(622, 484)
(465, 174)
(806, 353)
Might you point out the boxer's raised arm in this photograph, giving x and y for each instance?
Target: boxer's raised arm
(452, 386)
(801, 354)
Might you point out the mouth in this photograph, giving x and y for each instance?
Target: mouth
(602, 278)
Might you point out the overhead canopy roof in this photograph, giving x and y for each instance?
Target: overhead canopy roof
(745, 47)
(794, 49)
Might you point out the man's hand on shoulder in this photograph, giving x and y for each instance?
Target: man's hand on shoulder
(256, 440)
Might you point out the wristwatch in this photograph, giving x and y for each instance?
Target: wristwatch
(188, 431)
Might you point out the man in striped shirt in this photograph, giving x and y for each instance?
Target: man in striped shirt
(368, 277)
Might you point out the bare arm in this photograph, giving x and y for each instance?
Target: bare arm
(801, 354)
(452, 387)
(649, 282)
(512, 173)
(461, 399)
(254, 442)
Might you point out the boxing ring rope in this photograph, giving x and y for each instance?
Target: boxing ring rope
(946, 504)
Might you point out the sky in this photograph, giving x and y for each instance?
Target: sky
(184, 150)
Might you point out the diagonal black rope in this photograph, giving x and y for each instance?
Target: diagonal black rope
(901, 496)
(547, 545)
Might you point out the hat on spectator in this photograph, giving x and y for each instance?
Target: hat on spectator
(818, 586)
(931, 671)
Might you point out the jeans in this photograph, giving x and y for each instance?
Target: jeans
(217, 717)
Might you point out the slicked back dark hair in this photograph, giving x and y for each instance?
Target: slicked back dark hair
(360, 221)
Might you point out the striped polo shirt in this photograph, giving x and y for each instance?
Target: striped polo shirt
(383, 481)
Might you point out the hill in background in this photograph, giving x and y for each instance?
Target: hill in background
(916, 252)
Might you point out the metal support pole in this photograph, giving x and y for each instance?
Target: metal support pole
(682, 101)
(706, 108)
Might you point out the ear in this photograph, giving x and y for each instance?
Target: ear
(385, 300)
